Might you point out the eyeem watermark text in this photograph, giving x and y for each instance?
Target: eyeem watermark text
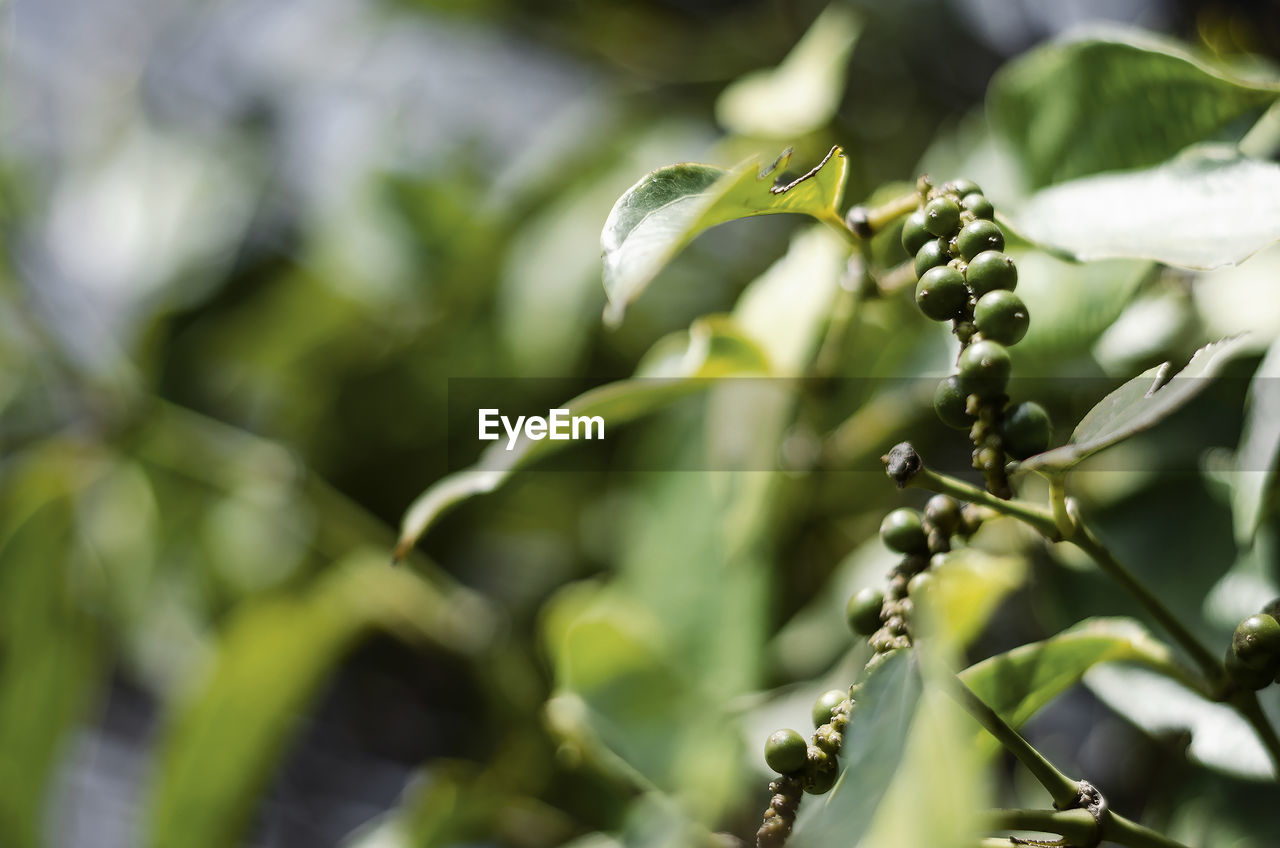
(559, 425)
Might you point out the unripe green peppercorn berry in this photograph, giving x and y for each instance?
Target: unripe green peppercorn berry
(941, 293)
(1027, 430)
(919, 584)
(914, 234)
(942, 216)
(989, 271)
(943, 512)
(820, 783)
(1256, 642)
(979, 236)
(786, 751)
(931, 255)
(863, 611)
(963, 187)
(902, 531)
(950, 401)
(1001, 316)
(978, 206)
(826, 702)
(985, 369)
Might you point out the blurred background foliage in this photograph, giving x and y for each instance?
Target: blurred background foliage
(248, 244)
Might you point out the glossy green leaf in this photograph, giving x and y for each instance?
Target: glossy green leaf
(666, 209)
(676, 367)
(1220, 737)
(1018, 683)
(226, 734)
(1138, 405)
(1208, 207)
(803, 92)
(1111, 98)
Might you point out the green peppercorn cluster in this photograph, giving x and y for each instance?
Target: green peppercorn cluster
(1253, 660)
(965, 278)
(884, 617)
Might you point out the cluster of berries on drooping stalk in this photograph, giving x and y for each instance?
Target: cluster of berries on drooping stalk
(965, 278)
(884, 617)
(1253, 660)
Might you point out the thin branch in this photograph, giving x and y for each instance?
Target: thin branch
(1038, 517)
(1116, 828)
(1062, 789)
(1078, 827)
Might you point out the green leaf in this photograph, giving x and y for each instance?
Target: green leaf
(666, 209)
(1018, 683)
(905, 750)
(1113, 98)
(874, 744)
(623, 702)
(1255, 460)
(1210, 206)
(52, 649)
(1138, 405)
(968, 585)
(803, 92)
(1220, 737)
(907, 747)
(677, 366)
(225, 736)
(1071, 304)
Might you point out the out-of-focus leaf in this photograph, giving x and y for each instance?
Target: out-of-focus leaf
(967, 586)
(455, 802)
(1018, 683)
(674, 369)
(905, 749)
(666, 209)
(1240, 298)
(803, 92)
(1247, 585)
(1220, 738)
(1255, 462)
(1111, 98)
(227, 733)
(677, 634)
(1071, 304)
(51, 648)
(1208, 207)
(621, 703)
(1138, 405)
(785, 309)
(1149, 326)
(874, 744)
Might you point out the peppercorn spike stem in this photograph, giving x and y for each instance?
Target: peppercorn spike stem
(1063, 514)
(865, 223)
(905, 467)
(1063, 790)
